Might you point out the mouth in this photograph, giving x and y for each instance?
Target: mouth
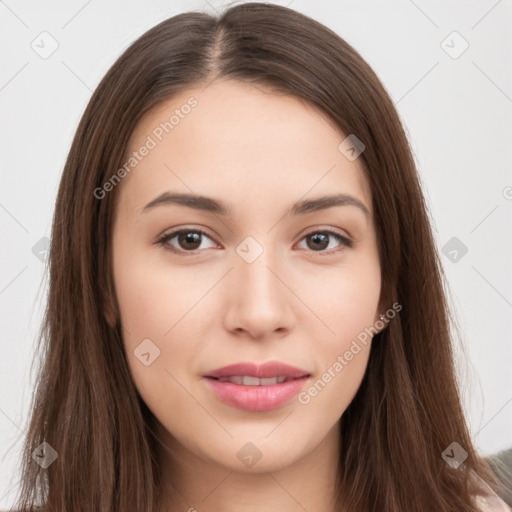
(249, 380)
(249, 372)
(256, 388)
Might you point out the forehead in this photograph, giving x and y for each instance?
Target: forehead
(242, 141)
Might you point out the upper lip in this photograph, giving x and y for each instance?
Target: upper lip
(267, 370)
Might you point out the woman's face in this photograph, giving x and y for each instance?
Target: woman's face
(265, 281)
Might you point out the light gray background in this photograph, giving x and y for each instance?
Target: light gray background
(457, 113)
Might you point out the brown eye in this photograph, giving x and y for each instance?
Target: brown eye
(187, 240)
(319, 241)
(190, 240)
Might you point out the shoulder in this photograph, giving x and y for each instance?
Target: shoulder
(486, 500)
(491, 503)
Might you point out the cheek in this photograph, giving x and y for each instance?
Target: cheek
(346, 300)
(342, 354)
(329, 394)
(152, 297)
(347, 305)
(159, 312)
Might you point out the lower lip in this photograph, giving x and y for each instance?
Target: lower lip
(255, 398)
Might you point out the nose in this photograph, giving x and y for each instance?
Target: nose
(260, 302)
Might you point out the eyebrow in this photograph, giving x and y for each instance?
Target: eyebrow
(217, 207)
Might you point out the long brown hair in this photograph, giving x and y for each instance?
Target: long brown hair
(407, 410)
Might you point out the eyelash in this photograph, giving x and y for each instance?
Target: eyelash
(346, 243)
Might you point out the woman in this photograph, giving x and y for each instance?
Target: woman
(301, 359)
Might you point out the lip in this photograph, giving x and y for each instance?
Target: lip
(271, 369)
(256, 398)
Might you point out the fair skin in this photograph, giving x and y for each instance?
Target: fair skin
(207, 307)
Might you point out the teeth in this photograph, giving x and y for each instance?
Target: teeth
(234, 380)
(268, 382)
(250, 381)
(247, 380)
